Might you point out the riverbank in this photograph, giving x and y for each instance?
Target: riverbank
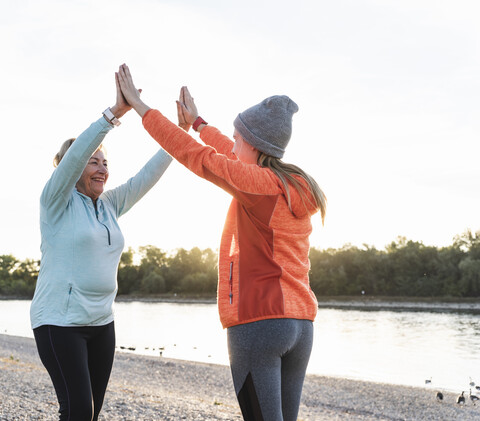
(436, 304)
(349, 303)
(155, 388)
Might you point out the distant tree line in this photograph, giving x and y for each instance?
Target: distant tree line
(185, 272)
(404, 268)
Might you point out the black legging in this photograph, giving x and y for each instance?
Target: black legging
(79, 361)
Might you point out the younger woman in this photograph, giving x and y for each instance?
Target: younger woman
(264, 297)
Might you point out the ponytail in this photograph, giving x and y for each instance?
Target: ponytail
(286, 172)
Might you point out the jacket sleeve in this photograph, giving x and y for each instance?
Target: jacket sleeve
(246, 182)
(123, 197)
(59, 187)
(222, 144)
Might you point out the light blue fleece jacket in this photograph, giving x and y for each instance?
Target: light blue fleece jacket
(81, 245)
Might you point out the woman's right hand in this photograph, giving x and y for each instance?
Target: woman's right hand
(186, 109)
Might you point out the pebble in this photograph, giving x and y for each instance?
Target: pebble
(149, 388)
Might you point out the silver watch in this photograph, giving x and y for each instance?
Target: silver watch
(111, 118)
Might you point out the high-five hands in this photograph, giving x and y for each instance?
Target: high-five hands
(129, 91)
(186, 109)
(121, 106)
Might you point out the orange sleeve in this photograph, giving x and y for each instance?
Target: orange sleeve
(246, 182)
(215, 138)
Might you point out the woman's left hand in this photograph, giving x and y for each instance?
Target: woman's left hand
(129, 92)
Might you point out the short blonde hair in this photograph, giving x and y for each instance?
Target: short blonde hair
(64, 148)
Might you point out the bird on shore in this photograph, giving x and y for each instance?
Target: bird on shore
(461, 399)
(428, 381)
(473, 398)
(472, 383)
(439, 396)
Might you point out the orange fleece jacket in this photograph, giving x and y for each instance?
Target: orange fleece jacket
(263, 261)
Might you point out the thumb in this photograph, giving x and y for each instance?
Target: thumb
(181, 105)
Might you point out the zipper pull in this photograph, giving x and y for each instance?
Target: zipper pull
(231, 283)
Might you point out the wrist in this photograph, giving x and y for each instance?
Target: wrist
(185, 126)
(200, 127)
(117, 111)
(110, 116)
(141, 108)
(199, 124)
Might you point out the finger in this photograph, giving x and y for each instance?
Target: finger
(180, 112)
(121, 75)
(184, 108)
(179, 109)
(127, 72)
(125, 78)
(182, 94)
(188, 96)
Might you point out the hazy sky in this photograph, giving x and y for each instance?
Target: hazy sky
(388, 92)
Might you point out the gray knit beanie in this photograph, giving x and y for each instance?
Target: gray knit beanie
(268, 126)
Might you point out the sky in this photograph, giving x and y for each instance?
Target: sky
(388, 92)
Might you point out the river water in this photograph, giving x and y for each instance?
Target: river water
(399, 347)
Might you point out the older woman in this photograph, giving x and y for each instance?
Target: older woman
(264, 297)
(71, 312)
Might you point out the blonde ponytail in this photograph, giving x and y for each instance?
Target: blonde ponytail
(286, 172)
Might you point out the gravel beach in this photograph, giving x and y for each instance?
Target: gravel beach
(156, 388)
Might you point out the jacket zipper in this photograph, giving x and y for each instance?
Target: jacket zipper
(69, 295)
(231, 283)
(108, 231)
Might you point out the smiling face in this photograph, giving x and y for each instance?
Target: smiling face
(94, 176)
(243, 150)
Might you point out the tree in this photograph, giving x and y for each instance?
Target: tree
(469, 285)
(18, 277)
(128, 275)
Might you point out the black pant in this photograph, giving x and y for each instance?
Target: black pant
(79, 361)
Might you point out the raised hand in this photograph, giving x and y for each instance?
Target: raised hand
(186, 109)
(130, 93)
(121, 105)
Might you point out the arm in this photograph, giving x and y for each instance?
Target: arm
(187, 114)
(222, 144)
(233, 176)
(125, 196)
(56, 192)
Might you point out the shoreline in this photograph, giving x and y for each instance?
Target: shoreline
(156, 388)
(418, 304)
